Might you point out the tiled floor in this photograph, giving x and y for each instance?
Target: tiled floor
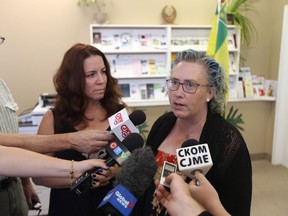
(270, 189)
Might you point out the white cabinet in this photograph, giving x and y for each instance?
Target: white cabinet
(140, 56)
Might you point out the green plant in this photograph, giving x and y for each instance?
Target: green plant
(86, 2)
(238, 8)
(100, 4)
(234, 118)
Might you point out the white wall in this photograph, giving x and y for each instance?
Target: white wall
(280, 142)
(38, 33)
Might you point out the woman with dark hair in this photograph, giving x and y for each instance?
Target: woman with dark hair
(87, 95)
(197, 91)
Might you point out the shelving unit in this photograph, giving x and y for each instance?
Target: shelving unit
(140, 56)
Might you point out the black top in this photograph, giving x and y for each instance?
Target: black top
(231, 173)
(67, 202)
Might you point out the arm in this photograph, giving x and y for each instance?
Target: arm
(46, 127)
(85, 141)
(23, 163)
(29, 192)
(205, 194)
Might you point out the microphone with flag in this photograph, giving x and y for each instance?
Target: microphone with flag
(137, 117)
(135, 177)
(192, 157)
(117, 152)
(122, 125)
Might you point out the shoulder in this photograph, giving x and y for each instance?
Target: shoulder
(168, 116)
(47, 123)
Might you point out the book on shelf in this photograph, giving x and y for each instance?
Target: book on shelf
(233, 86)
(134, 91)
(142, 91)
(231, 42)
(152, 67)
(96, 37)
(159, 90)
(136, 67)
(271, 88)
(248, 87)
(126, 40)
(122, 66)
(258, 85)
(116, 42)
(240, 89)
(124, 89)
(144, 67)
(232, 64)
(245, 76)
(107, 41)
(235, 41)
(150, 90)
(144, 39)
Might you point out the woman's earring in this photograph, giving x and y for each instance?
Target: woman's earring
(208, 99)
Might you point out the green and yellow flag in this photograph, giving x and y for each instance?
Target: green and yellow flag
(218, 42)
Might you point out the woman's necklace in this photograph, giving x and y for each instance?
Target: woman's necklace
(193, 133)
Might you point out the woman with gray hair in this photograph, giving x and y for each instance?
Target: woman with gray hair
(197, 90)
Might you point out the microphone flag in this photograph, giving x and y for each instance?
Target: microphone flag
(194, 158)
(121, 125)
(121, 200)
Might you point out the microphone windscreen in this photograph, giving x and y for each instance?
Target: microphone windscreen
(133, 141)
(189, 142)
(137, 117)
(137, 171)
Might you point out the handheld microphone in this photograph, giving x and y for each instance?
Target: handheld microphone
(135, 177)
(117, 152)
(192, 157)
(137, 117)
(121, 125)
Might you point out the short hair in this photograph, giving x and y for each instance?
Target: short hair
(216, 76)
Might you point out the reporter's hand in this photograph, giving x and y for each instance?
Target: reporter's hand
(204, 193)
(105, 176)
(179, 201)
(80, 167)
(89, 141)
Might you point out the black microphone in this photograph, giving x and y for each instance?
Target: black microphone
(135, 177)
(192, 157)
(117, 152)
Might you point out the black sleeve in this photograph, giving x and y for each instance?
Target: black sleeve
(235, 187)
(205, 213)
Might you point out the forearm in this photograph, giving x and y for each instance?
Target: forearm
(37, 143)
(53, 182)
(22, 163)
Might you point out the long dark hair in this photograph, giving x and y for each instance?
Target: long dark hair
(69, 82)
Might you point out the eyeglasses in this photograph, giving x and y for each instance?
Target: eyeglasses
(2, 39)
(187, 86)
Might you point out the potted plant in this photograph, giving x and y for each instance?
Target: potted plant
(236, 10)
(100, 16)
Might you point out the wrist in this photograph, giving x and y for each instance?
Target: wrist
(72, 172)
(69, 140)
